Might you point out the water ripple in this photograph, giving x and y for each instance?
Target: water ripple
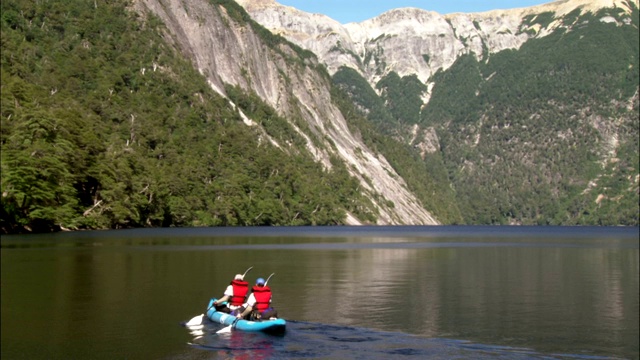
(305, 340)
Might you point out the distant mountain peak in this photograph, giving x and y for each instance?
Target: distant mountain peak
(256, 3)
(559, 7)
(563, 7)
(421, 34)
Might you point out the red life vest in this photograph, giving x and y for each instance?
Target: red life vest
(263, 296)
(240, 289)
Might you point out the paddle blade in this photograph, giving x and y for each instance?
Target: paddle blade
(197, 320)
(224, 330)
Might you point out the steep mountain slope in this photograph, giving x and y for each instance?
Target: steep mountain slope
(532, 114)
(229, 50)
(414, 41)
(549, 133)
(164, 114)
(174, 113)
(105, 125)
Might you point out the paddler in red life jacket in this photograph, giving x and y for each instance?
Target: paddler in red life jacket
(259, 303)
(235, 294)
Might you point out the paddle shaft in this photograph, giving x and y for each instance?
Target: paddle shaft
(265, 283)
(245, 273)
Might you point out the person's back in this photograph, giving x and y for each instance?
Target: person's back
(259, 302)
(262, 294)
(240, 288)
(235, 295)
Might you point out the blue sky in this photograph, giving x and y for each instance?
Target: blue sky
(346, 11)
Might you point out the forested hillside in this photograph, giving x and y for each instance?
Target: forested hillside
(104, 125)
(545, 134)
(383, 130)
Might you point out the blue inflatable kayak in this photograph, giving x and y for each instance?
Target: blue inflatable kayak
(275, 326)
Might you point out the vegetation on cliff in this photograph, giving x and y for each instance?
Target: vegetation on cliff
(381, 129)
(545, 134)
(106, 126)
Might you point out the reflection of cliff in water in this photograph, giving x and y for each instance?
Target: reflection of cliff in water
(106, 294)
(480, 291)
(368, 285)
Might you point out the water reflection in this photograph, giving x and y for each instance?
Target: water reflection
(553, 298)
(322, 341)
(94, 296)
(238, 345)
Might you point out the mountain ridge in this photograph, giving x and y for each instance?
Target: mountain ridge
(173, 113)
(265, 78)
(413, 48)
(325, 36)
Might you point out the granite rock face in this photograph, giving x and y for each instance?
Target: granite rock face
(409, 40)
(406, 41)
(227, 52)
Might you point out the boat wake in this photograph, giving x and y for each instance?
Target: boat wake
(314, 340)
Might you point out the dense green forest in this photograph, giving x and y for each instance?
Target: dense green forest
(546, 134)
(104, 125)
(381, 130)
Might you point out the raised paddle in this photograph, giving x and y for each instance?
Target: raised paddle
(197, 320)
(228, 328)
(265, 283)
(245, 273)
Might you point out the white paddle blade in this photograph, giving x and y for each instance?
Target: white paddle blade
(224, 330)
(195, 321)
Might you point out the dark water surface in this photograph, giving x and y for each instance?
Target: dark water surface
(346, 292)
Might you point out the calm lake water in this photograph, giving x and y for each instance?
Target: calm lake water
(346, 292)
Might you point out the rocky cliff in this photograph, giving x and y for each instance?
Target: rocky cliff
(414, 41)
(230, 52)
(550, 68)
(167, 113)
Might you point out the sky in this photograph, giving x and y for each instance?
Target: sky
(345, 11)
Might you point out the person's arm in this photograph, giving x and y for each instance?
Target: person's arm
(228, 293)
(248, 306)
(221, 300)
(246, 312)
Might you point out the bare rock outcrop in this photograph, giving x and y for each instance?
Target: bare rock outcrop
(230, 53)
(410, 40)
